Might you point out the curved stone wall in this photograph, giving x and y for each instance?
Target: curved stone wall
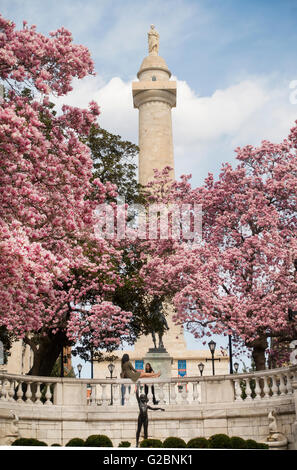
(55, 410)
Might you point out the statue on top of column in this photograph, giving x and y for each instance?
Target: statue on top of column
(153, 41)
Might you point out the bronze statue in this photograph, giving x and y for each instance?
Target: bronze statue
(143, 416)
(157, 322)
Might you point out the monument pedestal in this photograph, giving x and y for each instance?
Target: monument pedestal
(160, 360)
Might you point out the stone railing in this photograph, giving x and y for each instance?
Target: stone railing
(47, 391)
(268, 384)
(27, 389)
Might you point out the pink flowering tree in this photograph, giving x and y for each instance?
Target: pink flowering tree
(241, 279)
(57, 277)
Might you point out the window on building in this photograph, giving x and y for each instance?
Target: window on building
(139, 365)
(182, 368)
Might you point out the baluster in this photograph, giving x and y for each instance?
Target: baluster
(257, 388)
(116, 394)
(289, 383)
(38, 394)
(3, 391)
(167, 393)
(104, 397)
(248, 390)
(184, 393)
(48, 394)
(266, 388)
(237, 390)
(20, 392)
(173, 393)
(149, 393)
(161, 393)
(133, 399)
(126, 394)
(11, 390)
(282, 386)
(274, 386)
(195, 391)
(96, 394)
(28, 394)
(190, 388)
(199, 386)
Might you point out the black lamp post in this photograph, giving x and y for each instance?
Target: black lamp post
(111, 369)
(230, 355)
(201, 367)
(92, 363)
(212, 348)
(62, 362)
(236, 366)
(79, 368)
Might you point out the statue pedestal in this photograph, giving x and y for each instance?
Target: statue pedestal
(160, 360)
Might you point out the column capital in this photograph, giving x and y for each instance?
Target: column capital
(145, 94)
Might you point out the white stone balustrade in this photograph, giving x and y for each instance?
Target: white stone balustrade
(45, 391)
(263, 385)
(27, 390)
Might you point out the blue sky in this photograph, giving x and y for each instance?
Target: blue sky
(233, 61)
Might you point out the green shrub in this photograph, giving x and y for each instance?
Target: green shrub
(173, 442)
(28, 441)
(198, 443)
(56, 445)
(251, 444)
(261, 445)
(125, 444)
(75, 442)
(219, 441)
(98, 440)
(152, 443)
(238, 443)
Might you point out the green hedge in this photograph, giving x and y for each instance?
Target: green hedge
(28, 441)
(217, 441)
(125, 444)
(174, 442)
(198, 443)
(238, 443)
(75, 442)
(98, 440)
(151, 443)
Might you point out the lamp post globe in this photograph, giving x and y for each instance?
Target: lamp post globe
(79, 368)
(111, 368)
(212, 346)
(201, 367)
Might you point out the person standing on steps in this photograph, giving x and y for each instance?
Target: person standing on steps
(148, 368)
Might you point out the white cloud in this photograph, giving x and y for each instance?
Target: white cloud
(206, 129)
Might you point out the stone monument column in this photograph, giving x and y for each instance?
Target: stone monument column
(154, 96)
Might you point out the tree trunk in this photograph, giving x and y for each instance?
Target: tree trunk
(259, 347)
(46, 353)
